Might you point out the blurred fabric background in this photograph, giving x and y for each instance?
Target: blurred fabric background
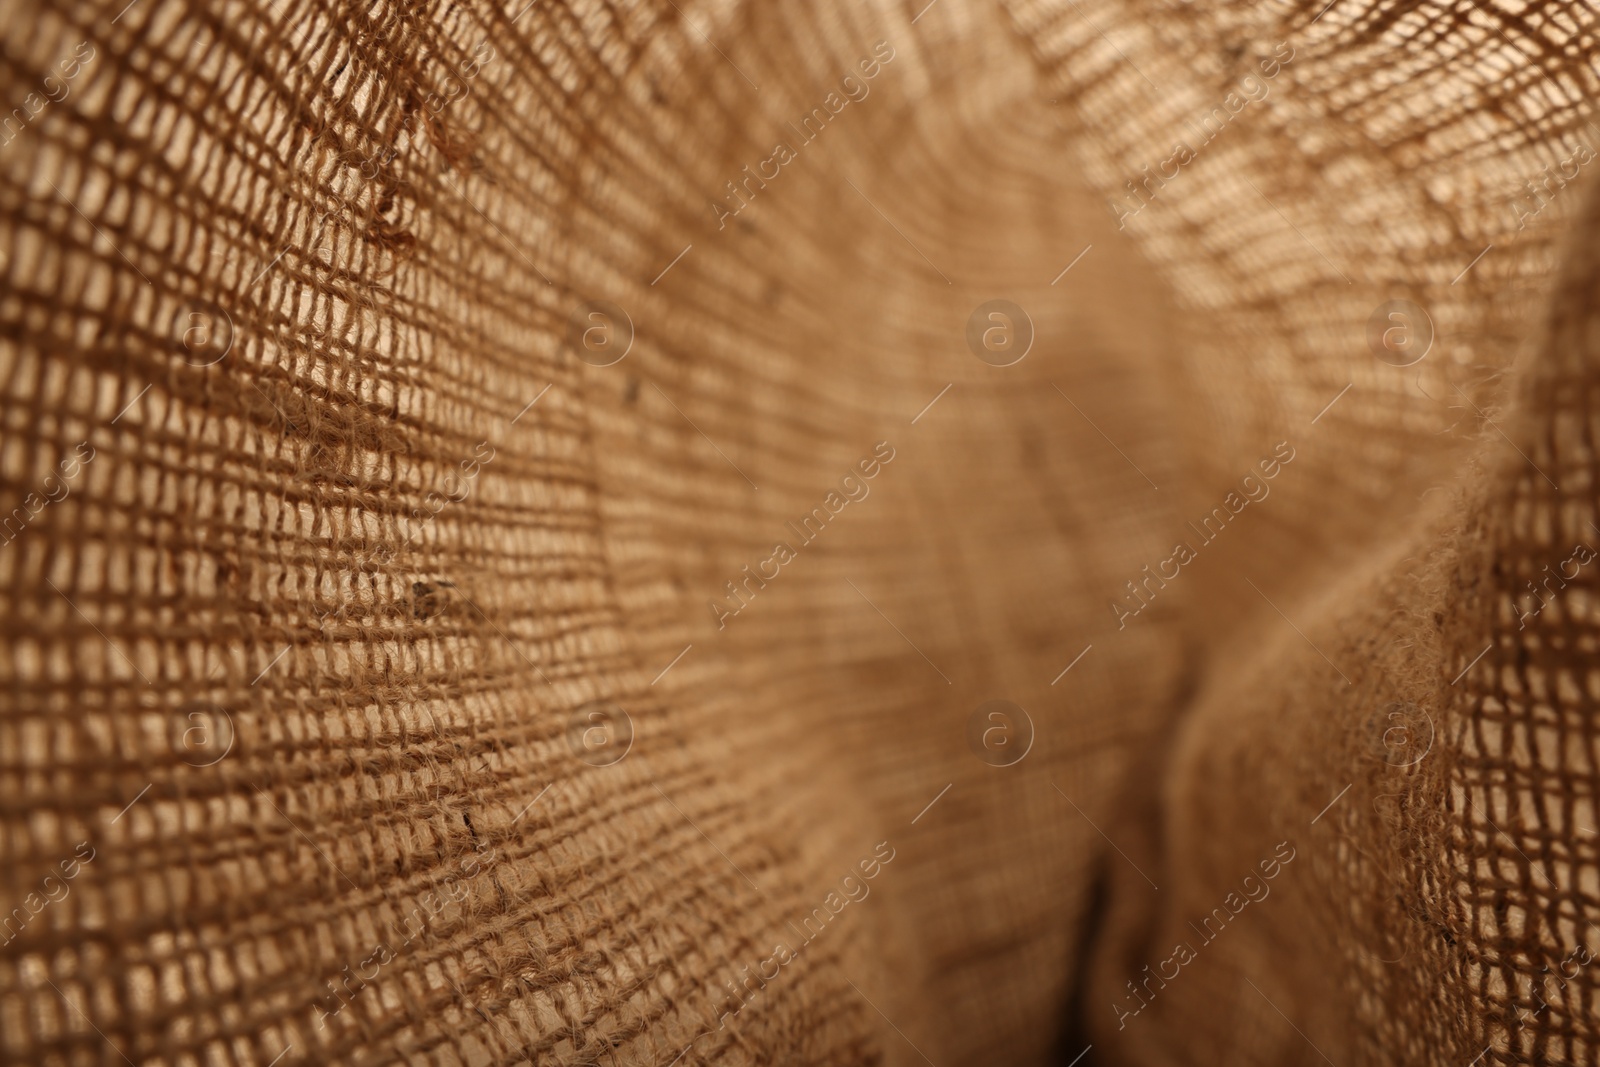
(412, 415)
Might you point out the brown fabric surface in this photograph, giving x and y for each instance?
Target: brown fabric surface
(1426, 747)
(336, 544)
(1438, 803)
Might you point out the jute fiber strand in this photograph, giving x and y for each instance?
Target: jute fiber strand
(338, 547)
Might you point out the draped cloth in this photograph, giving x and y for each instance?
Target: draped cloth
(516, 516)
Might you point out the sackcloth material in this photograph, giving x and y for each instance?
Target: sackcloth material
(405, 404)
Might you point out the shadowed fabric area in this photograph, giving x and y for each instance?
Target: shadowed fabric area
(395, 673)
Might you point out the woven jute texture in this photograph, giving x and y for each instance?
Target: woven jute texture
(512, 524)
(1424, 749)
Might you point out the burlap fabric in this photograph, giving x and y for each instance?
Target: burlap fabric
(405, 407)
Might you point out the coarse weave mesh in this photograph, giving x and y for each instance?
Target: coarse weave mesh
(405, 405)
